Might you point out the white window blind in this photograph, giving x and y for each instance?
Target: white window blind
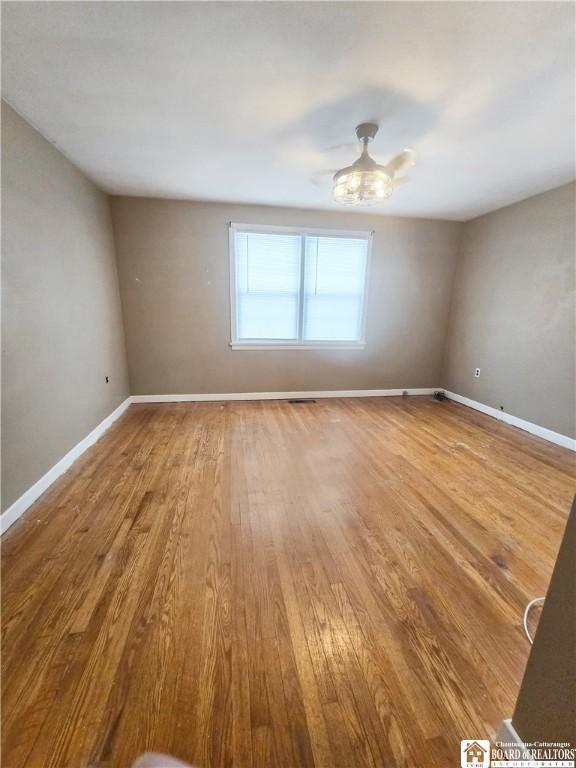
(334, 288)
(267, 285)
(297, 288)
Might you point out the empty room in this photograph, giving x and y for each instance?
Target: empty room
(288, 384)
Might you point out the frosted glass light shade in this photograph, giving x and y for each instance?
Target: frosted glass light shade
(353, 186)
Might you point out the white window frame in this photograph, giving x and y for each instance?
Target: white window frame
(261, 344)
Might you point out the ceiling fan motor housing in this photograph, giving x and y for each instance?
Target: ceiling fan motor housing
(366, 131)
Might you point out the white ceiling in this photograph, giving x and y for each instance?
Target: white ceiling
(240, 101)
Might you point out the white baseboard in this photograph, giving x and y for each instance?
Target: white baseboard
(507, 734)
(527, 426)
(29, 497)
(280, 395)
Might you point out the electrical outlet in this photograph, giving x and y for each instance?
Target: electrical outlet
(107, 379)
(477, 373)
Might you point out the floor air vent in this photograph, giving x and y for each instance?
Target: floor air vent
(298, 400)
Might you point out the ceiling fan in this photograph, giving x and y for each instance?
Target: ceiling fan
(365, 182)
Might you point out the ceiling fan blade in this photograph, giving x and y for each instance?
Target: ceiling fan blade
(401, 162)
(348, 146)
(399, 181)
(319, 178)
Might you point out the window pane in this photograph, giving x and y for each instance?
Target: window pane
(267, 317)
(331, 318)
(267, 285)
(334, 288)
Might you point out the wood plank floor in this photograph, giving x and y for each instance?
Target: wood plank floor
(266, 584)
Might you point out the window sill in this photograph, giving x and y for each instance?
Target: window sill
(275, 345)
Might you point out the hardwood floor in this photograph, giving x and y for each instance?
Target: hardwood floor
(267, 584)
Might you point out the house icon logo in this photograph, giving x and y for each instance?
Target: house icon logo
(474, 754)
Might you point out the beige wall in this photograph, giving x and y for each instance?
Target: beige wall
(61, 316)
(174, 273)
(513, 309)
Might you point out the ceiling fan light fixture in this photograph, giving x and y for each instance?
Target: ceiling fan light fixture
(361, 187)
(364, 182)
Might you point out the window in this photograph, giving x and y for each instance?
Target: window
(293, 288)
